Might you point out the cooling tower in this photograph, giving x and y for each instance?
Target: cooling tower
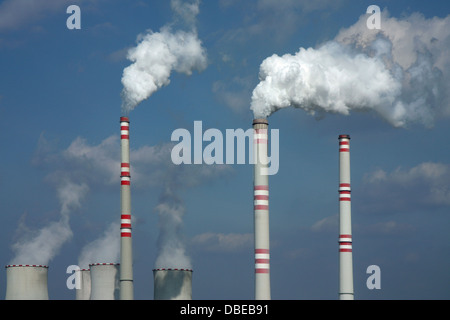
(84, 292)
(172, 284)
(26, 282)
(104, 281)
(126, 256)
(345, 222)
(261, 209)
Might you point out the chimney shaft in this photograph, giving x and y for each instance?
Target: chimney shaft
(126, 255)
(261, 209)
(172, 284)
(26, 282)
(345, 223)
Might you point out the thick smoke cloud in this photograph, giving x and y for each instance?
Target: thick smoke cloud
(401, 72)
(158, 54)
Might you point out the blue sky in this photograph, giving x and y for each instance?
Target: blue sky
(60, 101)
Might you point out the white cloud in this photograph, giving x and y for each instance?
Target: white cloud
(220, 242)
(326, 224)
(390, 227)
(15, 14)
(409, 36)
(426, 185)
(235, 94)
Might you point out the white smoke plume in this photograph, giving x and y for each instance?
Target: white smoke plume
(158, 54)
(400, 71)
(171, 243)
(172, 251)
(41, 246)
(104, 249)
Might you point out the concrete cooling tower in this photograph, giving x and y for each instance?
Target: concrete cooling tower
(172, 284)
(84, 292)
(105, 281)
(26, 282)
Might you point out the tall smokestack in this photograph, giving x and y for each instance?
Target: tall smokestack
(84, 293)
(26, 282)
(104, 281)
(172, 284)
(126, 254)
(261, 209)
(345, 222)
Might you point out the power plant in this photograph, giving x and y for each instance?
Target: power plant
(113, 281)
(345, 221)
(172, 284)
(261, 209)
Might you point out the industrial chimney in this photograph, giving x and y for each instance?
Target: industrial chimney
(261, 209)
(172, 284)
(126, 255)
(26, 282)
(104, 281)
(345, 222)
(84, 292)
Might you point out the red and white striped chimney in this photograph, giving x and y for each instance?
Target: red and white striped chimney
(126, 256)
(345, 222)
(261, 209)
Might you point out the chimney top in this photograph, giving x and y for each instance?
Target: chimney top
(260, 121)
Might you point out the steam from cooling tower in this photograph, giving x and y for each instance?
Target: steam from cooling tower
(158, 54)
(401, 72)
(41, 246)
(172, 251)
(104, 248)
(171, 243)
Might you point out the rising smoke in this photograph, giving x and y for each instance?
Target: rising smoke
(106, 248)
(400, 71)
(155, 57)
(159, 53)
(172, 251)
(41, 246)
(171, 243)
